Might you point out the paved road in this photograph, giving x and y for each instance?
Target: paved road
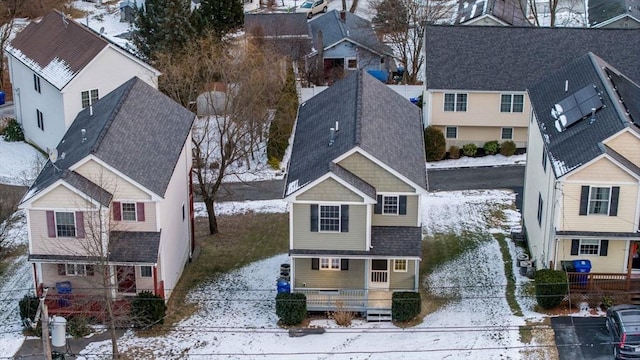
(584, 338)
(256, 190)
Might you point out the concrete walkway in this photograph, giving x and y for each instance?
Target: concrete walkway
(32, 348)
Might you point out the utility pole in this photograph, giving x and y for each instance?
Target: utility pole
(46, 346)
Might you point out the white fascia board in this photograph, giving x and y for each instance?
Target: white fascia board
(28, 204)
(601, 156)
(293, 197)
(619, 133)
(485, 16)
(343, 256)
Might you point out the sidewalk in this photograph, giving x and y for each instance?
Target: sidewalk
(32, 348)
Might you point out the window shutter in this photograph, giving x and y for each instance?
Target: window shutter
(315, 263)
(314, 217)
(117, 211)
(604, 247)
(575, 246)
(140, 211)
(344, 218)
(584, 200)
(402, 207)
(613, 207)
(80, 225)
(344, 264)
(89, 270)
(378, 208)
(62, 270)
(51, 224)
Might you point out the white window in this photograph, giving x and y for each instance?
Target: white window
(36, 83)
(352, 63)
(511, 103)
(89, 97)
(589, 247)
(451, 132)
(145, 271)
(599, 200)
(65, 224)
(329, 264)
(400, 265)
(40, 119)
(455, 102)
(390, 204)
(329, 218)
(78, 269)
(129, 211)
(507, 133)
(540, 204)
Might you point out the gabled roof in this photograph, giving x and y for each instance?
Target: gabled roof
(352, 28)
(500, 58)
(134, 246)
(288, 33)
(581, 142)
(508, 12)
(371, 117)
(603, 11)
(135, 129)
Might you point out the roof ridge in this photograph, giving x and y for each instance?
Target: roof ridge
(358, 114)
(608, 85)
(114, 113)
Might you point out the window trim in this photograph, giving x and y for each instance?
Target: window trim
(135, 211)
(502, 133)
(75, 267)
(92, 96)
(400, 261)
(446, 132)
(608, 201)
(346, 63)
(397, 205)
(597, 247)
(329, 262)
(142, 275)
(511, 103)
(75, 226)
(457, 102)
(320, 206)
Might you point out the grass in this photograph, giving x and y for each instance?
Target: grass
(508, 271)
(242, 239)
(443, 247)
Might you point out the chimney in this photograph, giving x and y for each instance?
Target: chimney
(332, 136)
(343, 15)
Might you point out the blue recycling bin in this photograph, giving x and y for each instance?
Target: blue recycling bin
(582, 266)
(283, 286)
(2, 96)
(64, 290)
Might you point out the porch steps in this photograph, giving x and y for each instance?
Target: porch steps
(379, 315)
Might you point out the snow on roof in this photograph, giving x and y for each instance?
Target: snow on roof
(58, 72)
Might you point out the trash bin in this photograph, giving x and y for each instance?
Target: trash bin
(567, 266)
(583, 267)
(64, 290)
(283, 286)
(2, 96)
(524, 267)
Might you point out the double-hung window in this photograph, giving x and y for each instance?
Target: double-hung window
(512, 103)
(329, 218)
(507, 133)
(390, 204)
(75, 269)
(89, 97)
(145, 271)
(129, 211)
(455, 102)
(451, 132)
(599, 200)
(65, 224)
(329, 264)
(589, 247)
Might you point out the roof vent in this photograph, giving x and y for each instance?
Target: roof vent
(84, 134)
(337, 125)
(332, 136)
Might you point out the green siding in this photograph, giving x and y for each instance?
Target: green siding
(353, 278)
(330, 190)
(375, 175)
(402, 280)
(304, 238)
(411, 219)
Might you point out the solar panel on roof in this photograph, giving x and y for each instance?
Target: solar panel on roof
(576, 107)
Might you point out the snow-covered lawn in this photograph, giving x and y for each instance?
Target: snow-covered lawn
(17, 163)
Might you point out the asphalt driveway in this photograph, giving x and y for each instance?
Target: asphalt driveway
(584, 338)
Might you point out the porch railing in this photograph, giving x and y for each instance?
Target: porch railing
(598, 281)
(321, 300)
(379, 276)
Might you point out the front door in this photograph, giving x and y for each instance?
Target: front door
(379, 274)
(126, 276)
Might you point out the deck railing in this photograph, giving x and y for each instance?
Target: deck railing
(598, 281)
(379, 276)
(321, 300)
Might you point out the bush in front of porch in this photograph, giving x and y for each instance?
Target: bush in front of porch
(291, 308)
(405, 305)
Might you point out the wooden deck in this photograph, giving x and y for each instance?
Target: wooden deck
(590, 283)
(358, 300)
(89, 306)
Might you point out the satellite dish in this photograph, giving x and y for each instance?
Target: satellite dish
(53, 155)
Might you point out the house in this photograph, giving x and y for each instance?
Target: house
(492, 13)
(354, 181)
(582, 179)
(58, 67)
(128, 9)
(475, 86)
(286, 33)
(620, 14)
(346, 42)
(115, 199)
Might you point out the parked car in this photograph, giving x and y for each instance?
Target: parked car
(313, 7)
(623, 323)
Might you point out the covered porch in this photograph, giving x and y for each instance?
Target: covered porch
(356, 300)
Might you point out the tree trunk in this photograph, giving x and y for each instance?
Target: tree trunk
(109, 305)
(354, 6)
(213, 222)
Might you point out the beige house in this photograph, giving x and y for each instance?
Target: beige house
(582, 180)
(476, 76)
(113, 206)
(354, 186)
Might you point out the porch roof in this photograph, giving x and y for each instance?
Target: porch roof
(134, 246)
(601, 234)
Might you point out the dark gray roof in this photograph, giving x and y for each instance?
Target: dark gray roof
(134, 246)
(581, 142)
(604, 10)
(287, 33)
(603, 235)
(622, 160)
(370, 116)
(87, 187)
(355, 28)
(502, 58)
(135, 129)
(353, 180)
(69, 258)
(386, 241)
(508, 11)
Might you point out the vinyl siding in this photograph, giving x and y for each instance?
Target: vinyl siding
(354, 278)
(119, 187)
(483, 109)
(626, 145)
(79, 284)
(615, 262)
(480, 134)
(144, 283)
(149, 223)
(410, 219)
(602, 170)
(304, 238)
(374, 174)
(61, 197)
(42, 244)
(329, 190)
(402, 280)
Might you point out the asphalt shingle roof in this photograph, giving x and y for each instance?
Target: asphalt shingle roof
(500, 58)
(134, 246)
(288, 33)
(580, 142)
(371, 116)
(507, 11)
(135, 129)
(604, 10)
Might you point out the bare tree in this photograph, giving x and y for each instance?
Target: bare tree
(400, 23)
(237, 89)
(8, 12)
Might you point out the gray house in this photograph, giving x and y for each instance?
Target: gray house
(286, 33)
(621, 14)
(492, 12)
(355, 177)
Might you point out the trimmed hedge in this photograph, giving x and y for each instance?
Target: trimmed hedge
(405, 306)
(435, 145)
(148, 309)
(469, 150)
(282, 124)
(508, 148)
(291, 308)
(551, 287)
(491, 147)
